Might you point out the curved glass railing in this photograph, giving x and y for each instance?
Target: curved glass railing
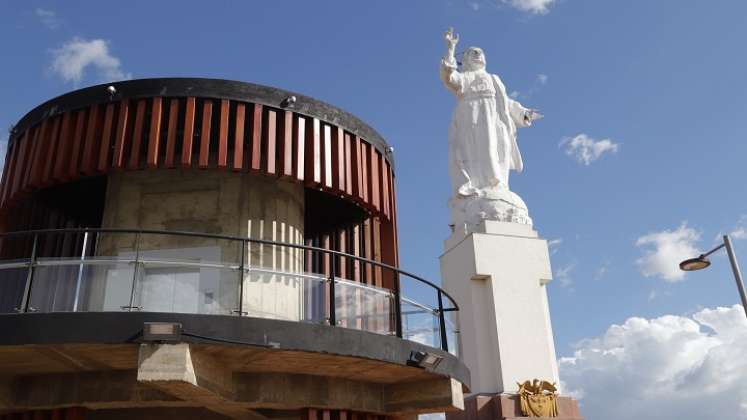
(94, 270)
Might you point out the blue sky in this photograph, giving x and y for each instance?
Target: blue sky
(661, 81)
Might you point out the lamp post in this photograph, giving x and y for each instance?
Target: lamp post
(702, 262)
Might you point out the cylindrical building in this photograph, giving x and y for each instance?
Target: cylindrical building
(254, 229)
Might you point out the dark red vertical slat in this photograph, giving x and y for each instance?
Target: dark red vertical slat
(373, 177)
(300, 147)
(154, 138)
(326, 415)
(41, 154)
(106, 137)
(256, 151)
(349, 164)
(338, 158)
(271, 136)
(286, 145)
(189, 133)
(121, 135)
(52, 144)
(31, 157)
(20, 162)
(78, 139)
(88, 163)
(137, 135)
(238, 139)
(63, 154)
(10, 169)
(311, 414)
(327, 156)
(357, 175)
(171, 133)
(364, 170)
(223, 135)
(385, 186)
(207, 116)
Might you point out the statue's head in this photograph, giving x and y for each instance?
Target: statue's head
(473, 59)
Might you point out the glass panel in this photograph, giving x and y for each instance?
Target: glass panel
(420, 323)
(452, 332)
(70, 285)
(363, 307)
(186, 289)
(12, 286)
(288, 296)
(15, 247)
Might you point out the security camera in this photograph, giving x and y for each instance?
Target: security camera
(289, 101)
(112, 90)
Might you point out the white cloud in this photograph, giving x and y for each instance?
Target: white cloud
(542, 79)
(75, 56)
(48, 18)
(554, 244)
(475, 6)
(602, 271)
(563, 274)
(665, 250)
(652, 295)
(586, 150)
(740, 231)
(667, 368)
(514, 94)
(3, 150)
(532, 6)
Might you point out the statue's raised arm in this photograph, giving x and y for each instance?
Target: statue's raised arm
(482, 140)
(449, 74)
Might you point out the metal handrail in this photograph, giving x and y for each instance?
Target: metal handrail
(138, 259)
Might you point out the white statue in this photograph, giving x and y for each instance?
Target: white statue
(482, 141)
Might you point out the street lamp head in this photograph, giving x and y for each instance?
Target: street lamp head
(694, 264)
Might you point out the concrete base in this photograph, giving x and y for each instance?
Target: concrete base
(508, 407)
(498, 276)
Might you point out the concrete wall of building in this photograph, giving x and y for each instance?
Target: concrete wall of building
(219, 202)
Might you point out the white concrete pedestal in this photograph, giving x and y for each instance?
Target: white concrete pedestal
(498, 276)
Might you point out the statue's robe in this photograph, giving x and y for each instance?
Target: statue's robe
(482, 133)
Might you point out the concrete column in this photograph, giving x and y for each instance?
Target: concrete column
(220, 202)
(498, 276)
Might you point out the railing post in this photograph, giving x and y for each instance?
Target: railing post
(135, 270)
(80, 272)
(397, 306)
(442, 322)
(242, 267)
(29, 278)
(332, 297)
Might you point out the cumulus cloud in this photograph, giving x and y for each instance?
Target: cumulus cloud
(663, 252)
(539, 7)
(586, 150)
(48, 18)
(73, 58)
(666, 368)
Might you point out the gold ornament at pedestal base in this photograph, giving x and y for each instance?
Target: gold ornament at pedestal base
(538, 398)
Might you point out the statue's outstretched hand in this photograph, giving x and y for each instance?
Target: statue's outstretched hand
(533, 115)
(451, 39)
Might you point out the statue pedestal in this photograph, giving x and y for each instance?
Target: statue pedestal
(497, 276)
(507, 407)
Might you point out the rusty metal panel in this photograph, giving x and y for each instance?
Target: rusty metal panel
(137, 135)
(93, 137)
(238, 140)
(286, 145)
(154, 138)
(189, 133)
(223, 134)
(39, 156)
(171, 132)
(105, 139)
(66, 140)
(207, 117)
(52, 144)
(373, 177)
(256, 151)
(119, 141)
